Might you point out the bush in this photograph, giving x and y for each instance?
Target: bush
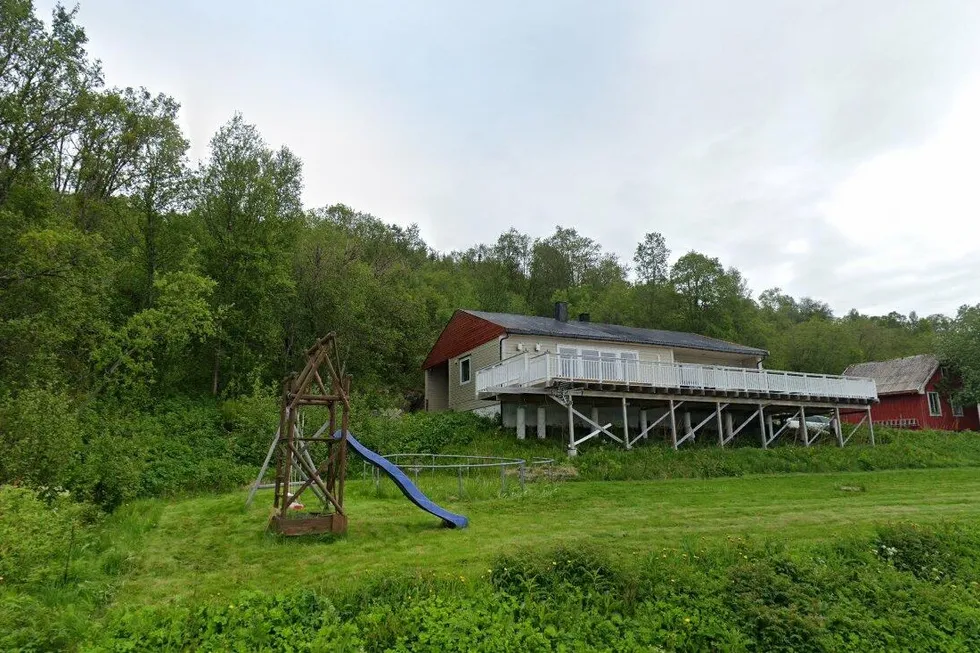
(422, 432)
(299, 621)
(41, 437)
(35, 537)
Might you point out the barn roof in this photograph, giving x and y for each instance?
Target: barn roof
(899, 375)
(547, 326)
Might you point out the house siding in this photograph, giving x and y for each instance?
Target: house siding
(463, 396)
(510, 344)
(436, 389)
(894, 409)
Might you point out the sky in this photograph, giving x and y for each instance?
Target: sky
(828, 147)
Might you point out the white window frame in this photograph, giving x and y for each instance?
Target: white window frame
(469, 366)
(957, 410)
(938, 412)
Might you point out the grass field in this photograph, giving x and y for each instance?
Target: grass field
(861, 560)
(207, 547)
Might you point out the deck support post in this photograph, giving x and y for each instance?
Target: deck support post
(728, 427)
(803, 428)
(542, 421)
(571, 429)
(772, 429)
(643, 424)
(626, 426)
(673, 425)
(838, 431)
(719, 422)
(688, 431)
(521, 421)
(871, 427)
(762, 425)
(595, 413)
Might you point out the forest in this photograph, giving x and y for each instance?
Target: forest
(135, 280)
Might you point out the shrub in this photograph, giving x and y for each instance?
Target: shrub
(41, 437)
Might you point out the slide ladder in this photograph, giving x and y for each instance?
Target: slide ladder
(409, 489)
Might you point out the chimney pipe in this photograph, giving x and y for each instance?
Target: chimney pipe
(584, 317)
(561, 311)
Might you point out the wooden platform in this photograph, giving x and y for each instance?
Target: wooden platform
(309, 524)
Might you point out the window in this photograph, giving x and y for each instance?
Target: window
(957, 410)
(935, 407)
(464, 370)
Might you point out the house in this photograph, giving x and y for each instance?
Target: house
(621, 382)
(914, 394)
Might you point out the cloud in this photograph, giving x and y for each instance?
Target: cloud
(799, 142)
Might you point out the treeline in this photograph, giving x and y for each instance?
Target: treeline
(130, 273)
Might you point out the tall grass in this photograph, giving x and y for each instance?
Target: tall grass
(905, 588)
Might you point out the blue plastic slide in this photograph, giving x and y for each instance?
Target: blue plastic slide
(411, 492)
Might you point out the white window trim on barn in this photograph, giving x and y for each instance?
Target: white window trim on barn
(935, 404)
(957, 410)
(465, 363)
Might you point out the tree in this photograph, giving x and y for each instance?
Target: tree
(248, 202)
(43, 77)
(959, 347)
(650, 259)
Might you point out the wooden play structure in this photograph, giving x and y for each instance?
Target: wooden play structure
(321, 385)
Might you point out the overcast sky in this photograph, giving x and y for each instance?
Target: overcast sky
(830, 147)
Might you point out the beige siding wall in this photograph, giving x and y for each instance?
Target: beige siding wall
(436, 388)
(645, 352)
(463, 396)
(714, 358)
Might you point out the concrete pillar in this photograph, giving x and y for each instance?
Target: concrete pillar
(728, 426)
(644, 423)
(687, 423)
(595, 415)
(542, 421)
(521, 421)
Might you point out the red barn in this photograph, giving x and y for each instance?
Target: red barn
(914, 394)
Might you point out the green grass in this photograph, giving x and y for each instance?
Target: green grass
(208, 547)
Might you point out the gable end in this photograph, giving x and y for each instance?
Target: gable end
(463, 333)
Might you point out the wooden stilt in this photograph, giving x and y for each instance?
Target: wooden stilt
(762, 426)
(838, 431)
(871, 427)
(571, 429)
(626, 426)
(673, 425)
(721, 430)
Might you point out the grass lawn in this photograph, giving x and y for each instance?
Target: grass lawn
(206, 547)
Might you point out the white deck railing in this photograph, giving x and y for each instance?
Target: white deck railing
(525, 370)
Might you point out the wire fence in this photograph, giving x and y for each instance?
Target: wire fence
(461, 466)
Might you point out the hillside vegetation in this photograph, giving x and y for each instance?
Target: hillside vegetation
(821, 562)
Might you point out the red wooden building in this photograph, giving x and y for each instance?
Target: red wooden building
(914, 394)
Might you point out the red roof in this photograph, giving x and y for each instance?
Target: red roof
(464, 332)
